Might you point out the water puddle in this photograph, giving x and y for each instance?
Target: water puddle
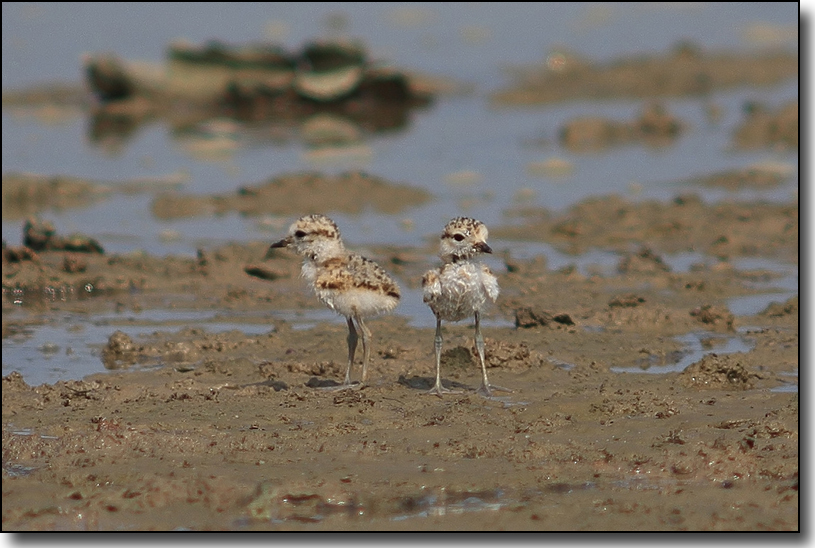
(15, 470)
(30, 432)
(65, 350)
(593, 262)
(779, 288)
(68, 346)
(274, 506)
(786, 388)
(788, 272)
(751, 305)
(566, 366)
(49, 294)
(446, 503)
(790, 381)
(507, 401)
(696, 346)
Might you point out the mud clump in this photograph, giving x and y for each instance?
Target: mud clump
(510, 356)
(17, 254)
(14, 381)
(764, 128)
(42, 236)
(718, 372)
(643, 261)
(320, 369)
(505, 355)
(74, 264)
(527, 317)
(26, 194)
(787, 308)
(757, 177)
(635, 403)
(297, 193)
(714, 316)
(458, 358)
(120, 351)
(629, 300)
(655, 127)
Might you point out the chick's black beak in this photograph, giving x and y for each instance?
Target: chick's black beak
(483, 247)
(282, 243)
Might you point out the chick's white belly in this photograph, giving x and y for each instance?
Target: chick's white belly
(357, 302)
(348, 299)
(460, 290)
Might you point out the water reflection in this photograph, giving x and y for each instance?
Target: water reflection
(330, 93)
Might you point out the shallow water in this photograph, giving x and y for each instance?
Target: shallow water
(457, 134)
(473, 158)
(693, 352)
(67, 346)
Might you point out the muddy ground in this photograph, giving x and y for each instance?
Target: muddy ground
(195, 429)
(685, 70)
(203, 430)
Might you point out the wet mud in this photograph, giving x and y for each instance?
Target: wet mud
(349, 192)
(26, 194)
(725, 230)
(655, 126)
(765, 127)
(200, 429)
(685, 70)
(615, 420)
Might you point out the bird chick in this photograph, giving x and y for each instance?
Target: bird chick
(345, 282)
(461, 288)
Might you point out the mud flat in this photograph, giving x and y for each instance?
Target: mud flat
(685, 70)
(686, 223)
(308, 192)
(615, 423)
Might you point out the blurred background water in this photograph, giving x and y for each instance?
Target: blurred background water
(460, 134)
(472, 157)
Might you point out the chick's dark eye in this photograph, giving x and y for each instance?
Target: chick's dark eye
(299, 234)
(458, 237)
